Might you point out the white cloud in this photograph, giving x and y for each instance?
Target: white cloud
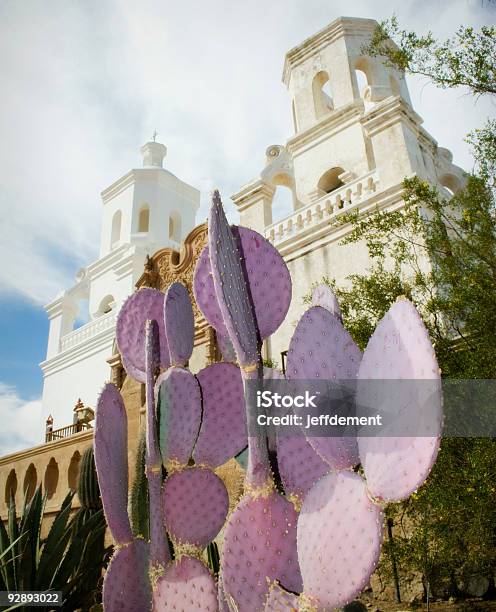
(84, 84)
(21, 421)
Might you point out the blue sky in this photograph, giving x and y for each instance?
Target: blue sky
(84, 84)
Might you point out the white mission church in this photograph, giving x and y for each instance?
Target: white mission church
(356, 136)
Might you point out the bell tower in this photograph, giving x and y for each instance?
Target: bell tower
(146, 209)
(356, 137)
(329, 71)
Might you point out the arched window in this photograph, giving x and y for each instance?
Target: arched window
(144, 218)
(51, 478)
(106, 305)
(29, 486)
(10, 486)
(282, 203)
(363, 75)
(322, 96)
(175, 226)
(330, 180)
(73, 472)
(116, 229)
(450, 182)
(362, 82)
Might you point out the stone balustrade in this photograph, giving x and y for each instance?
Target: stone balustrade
(87, 331)
(320, 211)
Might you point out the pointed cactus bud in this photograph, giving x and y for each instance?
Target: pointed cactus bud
(230, 286)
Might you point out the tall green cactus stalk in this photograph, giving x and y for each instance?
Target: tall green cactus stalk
(139, 498)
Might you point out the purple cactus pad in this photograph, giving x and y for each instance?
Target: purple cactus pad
(185, 586)
(144, 304)
(259, 547)
(195, 503)
(223, 430)
(179, 323)
(339, 539)
(126, 586)
(300, 467)
(110, 445)
(268, 279)
(179, 409)
(400, 348)
(322, 349)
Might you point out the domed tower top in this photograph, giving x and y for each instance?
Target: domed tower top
(148, 206)
(153, 153)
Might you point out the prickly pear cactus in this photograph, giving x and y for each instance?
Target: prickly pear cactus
(180, 412)
(268, 279)
(339, 539)
(279, 600)
(300, 467)
(259, 546)
(179, 324)
(259, 539)
(110, 447)
(400, 349)
(324, 296)
(130, 330)
(321, 349)
(223, 429)
(195, 503)
(126, 585)
(186, 585)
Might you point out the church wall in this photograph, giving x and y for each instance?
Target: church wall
(76, 375)
(332, 260)
(61, 452)
(343, 148)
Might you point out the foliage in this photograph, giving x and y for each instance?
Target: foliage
(270, 363)
(69, 559)
(466, 59)
(446, 530)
